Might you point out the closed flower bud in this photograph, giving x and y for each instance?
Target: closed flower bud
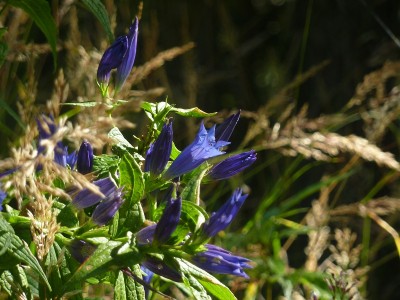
(121, 56)
(221, 261)
(232, 165)
(107, 208)
(159, 152)
(220, 219)
(85, 158)
(126, 65)
(111, 59)
(86, 198)
(168, 221)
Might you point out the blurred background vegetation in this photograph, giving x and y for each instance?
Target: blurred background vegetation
(324, 201)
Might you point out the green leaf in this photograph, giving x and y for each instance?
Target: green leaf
(209, 282)
(191, 192)
(107, 256)
(126, 288)
(119, 140)
(82, 104)
(192, 112)
(193, 215)
(105, 164)
(158, 111)
(19, 250)
(99, 11)
(40, 12)
(131, 178)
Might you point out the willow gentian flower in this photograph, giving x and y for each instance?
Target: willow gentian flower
(220, 219)
(224, 131)
(202, 148)
(107, 208)
(47, 128)
(121, 56)
(168, 221)
(221, 261)
(159, 152)
(3, 196)
(232, 165)
(159, 267)
(86, 198)
(85, 158)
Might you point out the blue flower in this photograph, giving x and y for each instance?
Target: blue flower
(168, 221)
(85, 158)
(121, 56)
(232, 165)
(159, 267)
(126, 66)
(107, 208)
(159, 152)
(86, 198)
(47, 128)
(204, 146)
(221, 261)
(3, 195)
(225, 129)
(111, 59)
(220, 219)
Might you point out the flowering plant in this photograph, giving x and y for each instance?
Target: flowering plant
(125, 217)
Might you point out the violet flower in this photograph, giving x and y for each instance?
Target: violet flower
(85, 158)
(224, 130)
(221, 261)
(232, 165)
(220, 219)
(121, 56)
(202, 148)
(107, 208)
(86, 198)
(159, 152)
(168, 221)
(3, 196)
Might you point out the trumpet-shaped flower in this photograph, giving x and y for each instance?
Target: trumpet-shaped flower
(107, 208)
(221, 261)
(86, 198)
(85, 158)
(159, 267)
(220, 219)
(47, 128)
(159, 152)
(121, 56)
(168, 221)
(224, 131)
(232, 165)
(3, 195)
(204, 146)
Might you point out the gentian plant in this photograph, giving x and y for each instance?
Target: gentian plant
(131, 216)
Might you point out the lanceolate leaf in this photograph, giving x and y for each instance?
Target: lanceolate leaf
(126, 288)
(107, 256)
(39, 11)
(209, 282)
(19, 250)
(97, 8)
